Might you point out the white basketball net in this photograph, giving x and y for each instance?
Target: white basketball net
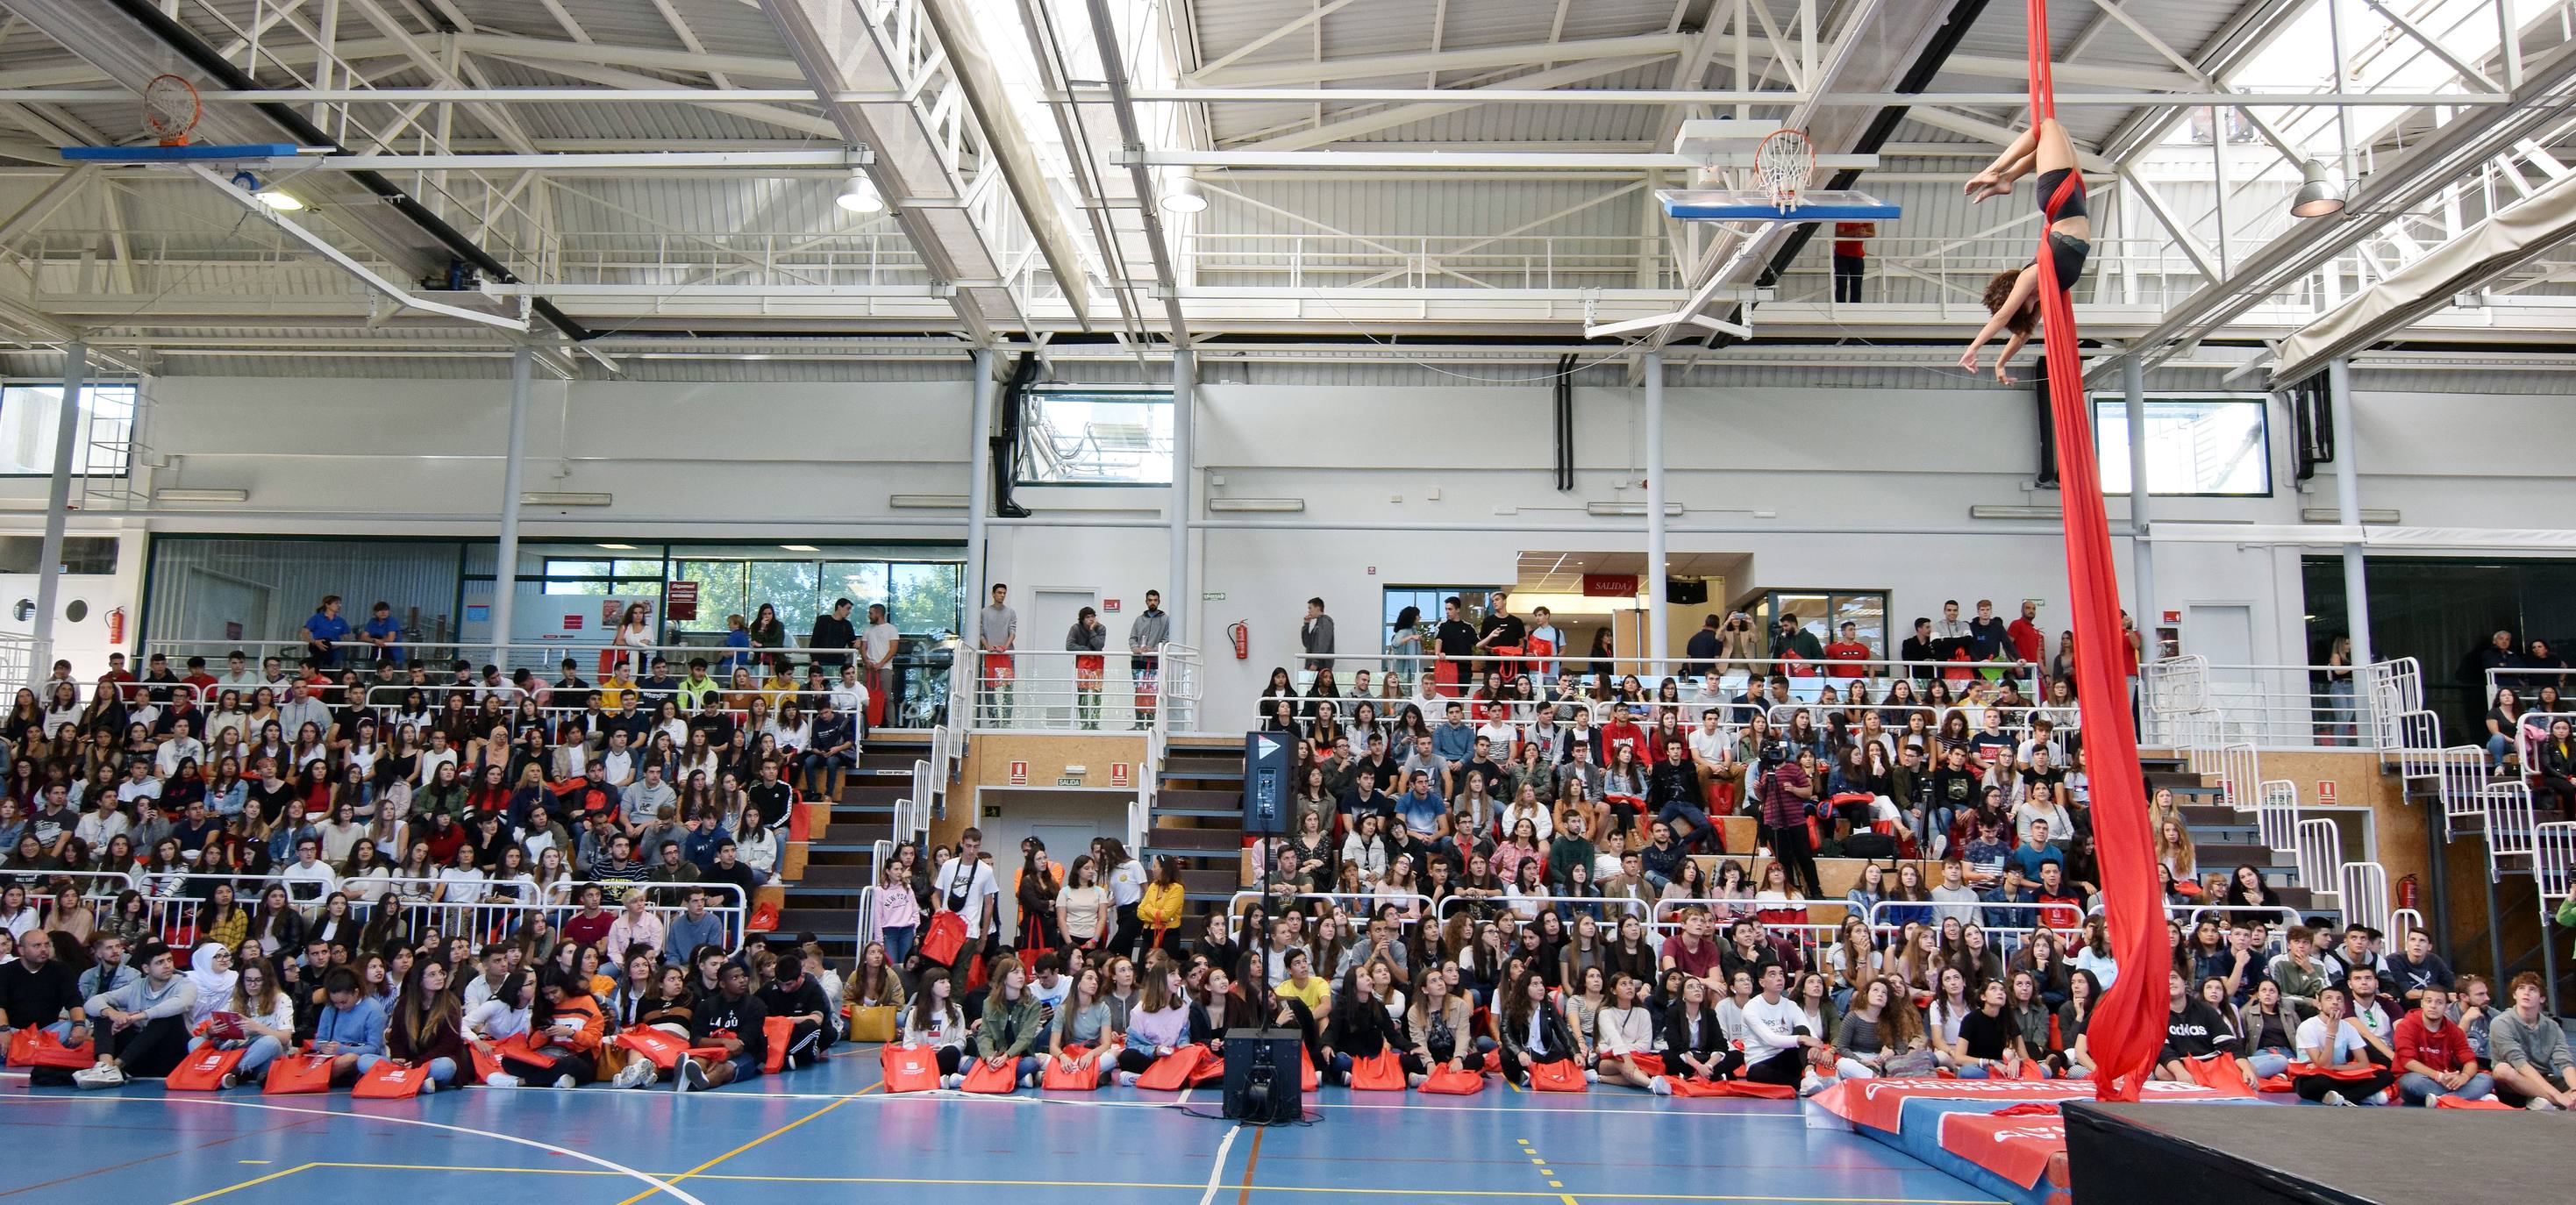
(170, 109)
(1782, 165)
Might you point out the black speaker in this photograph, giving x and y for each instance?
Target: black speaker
(1265, 782)
(1685, 591)
(1263, 1079)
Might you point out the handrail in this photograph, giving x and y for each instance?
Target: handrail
(2363, 891)
(2509, 821)
(1234, 903)
(2461, 785)
(2276, 814)
(2319, 854)
(175, 906)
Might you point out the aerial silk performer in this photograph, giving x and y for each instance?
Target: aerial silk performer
(2128, 1026)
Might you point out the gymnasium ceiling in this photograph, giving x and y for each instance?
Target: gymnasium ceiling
(617, 180)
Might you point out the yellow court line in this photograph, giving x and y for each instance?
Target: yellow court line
(1258, 1188)
(276, 1175)
(692, 1173)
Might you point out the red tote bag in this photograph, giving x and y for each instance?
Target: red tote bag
(1063, 1075)
(1649, 1065)
(37, 1048)
(2453, 1102)
(2218, 1073)
(944, 938)
(1560, 1076)
(1454, 1083)
(1172, 1072)
(1307, 1079)
(293, 1074)
(1744, 1088)
(911, 1068)
(203, 1070)
(663, 1050)
(1380, 1072)
(779, 1031)
(389, 1080)
(991, 1080)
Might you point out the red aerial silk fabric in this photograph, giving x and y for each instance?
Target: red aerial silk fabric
(2128, 1026)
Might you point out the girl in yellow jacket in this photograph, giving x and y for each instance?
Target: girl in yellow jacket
(1160, 910)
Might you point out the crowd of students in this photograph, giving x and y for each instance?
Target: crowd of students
(222, 843)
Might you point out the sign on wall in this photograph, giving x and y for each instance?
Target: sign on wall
(2325, 791)
(1609, 585)
(681, 600)
(1019, 774)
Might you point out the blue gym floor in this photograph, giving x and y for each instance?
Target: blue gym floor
(832, 1126)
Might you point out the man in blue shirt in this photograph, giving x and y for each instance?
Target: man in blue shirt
(324, 630)
(2034, 853)
(1420, 808)
(1454, 741)
(384, 634)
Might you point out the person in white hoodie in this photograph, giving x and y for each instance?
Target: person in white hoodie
(1776, 1037)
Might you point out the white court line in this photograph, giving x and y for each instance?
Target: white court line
(1217, 1172)
(594, 1160)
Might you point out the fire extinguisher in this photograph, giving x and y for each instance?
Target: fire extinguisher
(116, 626)
(2406, 892)
(1242, 637)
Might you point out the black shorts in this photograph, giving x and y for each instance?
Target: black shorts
(2069, 254)
(2049, 182)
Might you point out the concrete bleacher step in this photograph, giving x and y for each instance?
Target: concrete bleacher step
(1177, 767)
(849, 876)
(1197, 802)
(1199, 842)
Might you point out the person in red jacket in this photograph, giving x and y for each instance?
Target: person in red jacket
(2433, 1055)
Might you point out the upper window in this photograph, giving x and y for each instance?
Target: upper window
(2210, 446)
(1096, 437)
(30, 416)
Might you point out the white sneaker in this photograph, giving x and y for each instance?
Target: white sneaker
(1126, 1079)
(1416, 1081)
(952, 1081)
(101, 1076)
(228, 1080)
(1811, 1085)
(500, 1079)
(1590, 1076)
(1660, 1086)
(2338, 1098)
(637, 1073)
(428, 1086)
(2537, 1105)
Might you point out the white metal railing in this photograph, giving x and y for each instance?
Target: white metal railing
(591, 652)
(2553, 862)
(867, 926)
(1149, 774)
(2319, 854)
(97, 887)
(2462, 786)
(2396, 687)
(1411, 908)
(2531, 731)
(175, 902)
(2509, 823)
(2419, 744)
(2403, 921)
(2362, 888)
(2176, 685)
(2240, 776)
(2280, 916)
(2276, 814)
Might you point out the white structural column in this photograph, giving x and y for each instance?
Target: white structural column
(2142, 573)
(1654, 583)
(1178, 601)
(505, 561)
(979, 502)
(58, 504)
(2347, 462)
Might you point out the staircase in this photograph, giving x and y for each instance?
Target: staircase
(840, 861)
(1197, 818)
(2523, 845)
(2222, 838)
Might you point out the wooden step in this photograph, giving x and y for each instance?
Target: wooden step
(791, 860)
(1199, 802)
(1218, 882)
(842, 923)
(1212, 840)
(873, 792)
(852, 875)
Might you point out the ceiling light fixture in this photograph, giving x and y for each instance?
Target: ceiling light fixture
(861, 195)
(279, 201)
(800, 548)
(619, 547)
(2318, 196)
(1184, 195)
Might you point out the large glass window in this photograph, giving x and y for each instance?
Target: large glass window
(918, 596)
(30, 415)
(1431, 600)
(623, 578)
(1822, 614)
(2210, 446)
(1096, 438)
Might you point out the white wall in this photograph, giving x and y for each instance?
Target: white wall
(1871, 488)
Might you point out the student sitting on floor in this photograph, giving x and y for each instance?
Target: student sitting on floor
(733, 1018)
(2533, 1068)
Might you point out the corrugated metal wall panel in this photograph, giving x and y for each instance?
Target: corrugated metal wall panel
(197, 585)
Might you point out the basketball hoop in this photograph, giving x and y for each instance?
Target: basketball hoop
(170, 108)
(1782, 165)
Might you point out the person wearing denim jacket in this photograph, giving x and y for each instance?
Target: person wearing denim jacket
(350, 1025)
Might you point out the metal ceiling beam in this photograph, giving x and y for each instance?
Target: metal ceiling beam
(838, 51)
(1304, 71)
(1462, 100)
(2445, 155)
(1007, 143)
(1113, 66)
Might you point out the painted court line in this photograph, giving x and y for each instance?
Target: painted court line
(1216, 1171)
(550, 1148)
(1396, 1193)
(701, 1168)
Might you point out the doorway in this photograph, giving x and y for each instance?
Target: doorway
(1046, 682)
(1066, 819)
